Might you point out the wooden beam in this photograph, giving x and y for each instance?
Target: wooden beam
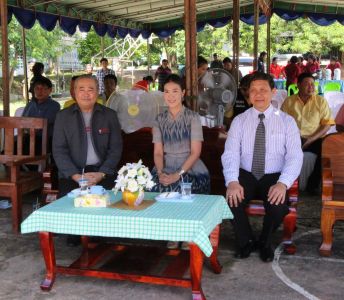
(268, 44)
(255, 35)
(26, 83)
(187, 48)
(5, 64)
(193, 54)
(235, 38)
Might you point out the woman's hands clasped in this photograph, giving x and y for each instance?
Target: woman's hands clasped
(167, 179)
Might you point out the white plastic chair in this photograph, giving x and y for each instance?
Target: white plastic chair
(278, 98)
(19, 111)
(335, 100)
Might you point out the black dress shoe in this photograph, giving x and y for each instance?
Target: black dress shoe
(73, 240)
(266, 254)
(245, 251)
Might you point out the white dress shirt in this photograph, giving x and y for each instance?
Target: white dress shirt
(282, 144)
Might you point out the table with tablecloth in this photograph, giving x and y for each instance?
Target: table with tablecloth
(281, 84)
(170, 221)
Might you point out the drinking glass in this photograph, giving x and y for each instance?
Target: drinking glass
(185, 188)
(83, 184)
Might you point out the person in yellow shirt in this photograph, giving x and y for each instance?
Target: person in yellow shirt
(70, 102)
(313, 117)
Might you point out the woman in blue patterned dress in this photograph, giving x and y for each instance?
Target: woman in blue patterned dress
(177, 138)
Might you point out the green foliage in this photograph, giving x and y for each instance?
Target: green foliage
(90, 46)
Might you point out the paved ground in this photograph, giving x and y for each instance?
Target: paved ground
(304, 275)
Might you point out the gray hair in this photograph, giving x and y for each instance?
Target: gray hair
(87, 76)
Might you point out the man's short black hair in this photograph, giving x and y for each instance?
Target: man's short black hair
(103, 59)
(74, 77)
(274, 58)
(263, 76)
(226, 60)
(110, 77)
(302, 76)
(201, 61)
(43, 81)
(293, 59)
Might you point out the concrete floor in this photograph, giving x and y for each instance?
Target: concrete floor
(303, 275)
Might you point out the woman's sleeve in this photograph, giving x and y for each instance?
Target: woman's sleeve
(156, 132)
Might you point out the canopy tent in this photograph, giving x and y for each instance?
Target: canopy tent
(161, 17)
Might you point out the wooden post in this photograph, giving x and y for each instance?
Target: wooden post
(187, 48)
(5, 65)
(268, 44)
(26, 83)
(148, 57)
(193, 54)
(255, 36)
(235, 38)
(102, 46)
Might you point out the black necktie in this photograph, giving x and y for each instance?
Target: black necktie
(258, 160)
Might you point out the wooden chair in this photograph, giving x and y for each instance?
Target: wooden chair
(256, 208)
(212, 149)
(332, 188)
(13, 182)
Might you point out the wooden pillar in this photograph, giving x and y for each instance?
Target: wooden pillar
(102, 46)
(235, 38)
(26, 83)
(268, 43)
(5, 64)
(187, 49)
(148, 57)
(255, 36)
(193, 54)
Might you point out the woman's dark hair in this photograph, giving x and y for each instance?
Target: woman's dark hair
(148, 78)
(263, 76)
(201, 61)
(175, 79)
(262, 54)
(245, 81)
(293, 59)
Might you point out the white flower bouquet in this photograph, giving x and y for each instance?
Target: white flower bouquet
(134, 177)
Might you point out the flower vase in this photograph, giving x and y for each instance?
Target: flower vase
(133, 199)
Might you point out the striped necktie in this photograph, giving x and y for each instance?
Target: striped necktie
(258, 160)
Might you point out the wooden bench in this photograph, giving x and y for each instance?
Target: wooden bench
(332, 188)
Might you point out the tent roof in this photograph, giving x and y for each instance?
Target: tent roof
(165, 15)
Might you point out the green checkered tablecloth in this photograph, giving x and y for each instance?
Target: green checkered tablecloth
(161, 221)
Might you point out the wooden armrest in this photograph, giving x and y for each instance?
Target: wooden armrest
(327, 184)
(25, 160)
(326, 162)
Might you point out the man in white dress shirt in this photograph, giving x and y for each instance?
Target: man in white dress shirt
(262, 159)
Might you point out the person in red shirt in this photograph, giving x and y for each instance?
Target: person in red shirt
(301, 65)
(276, 70)
(292, 71)
(143, 84)
(312, 65)
(334, 64)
